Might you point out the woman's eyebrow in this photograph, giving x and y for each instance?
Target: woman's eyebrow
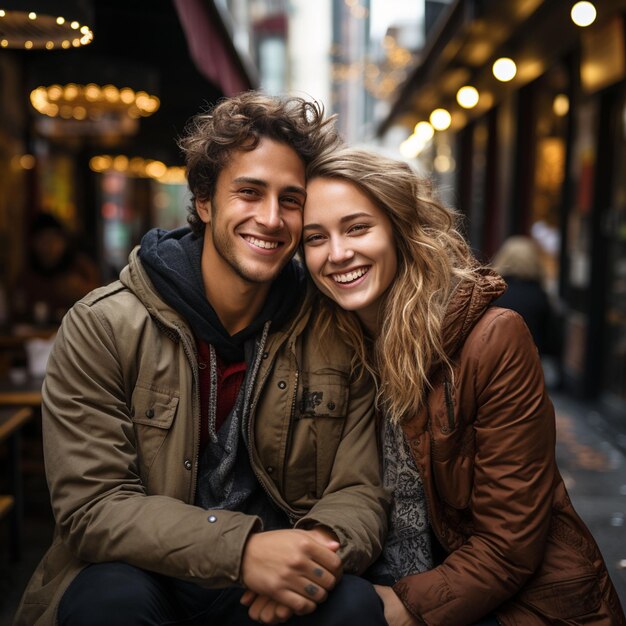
(345, 218)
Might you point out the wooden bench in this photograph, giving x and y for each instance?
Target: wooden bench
(12, 505)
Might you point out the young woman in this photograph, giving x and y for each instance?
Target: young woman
(481, 527)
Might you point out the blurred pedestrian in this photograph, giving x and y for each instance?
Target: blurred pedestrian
(519, 262)
(57, 274)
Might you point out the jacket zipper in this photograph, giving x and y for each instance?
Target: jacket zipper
(428, 507)
(449, 404)
(291, 513)
(429, 426)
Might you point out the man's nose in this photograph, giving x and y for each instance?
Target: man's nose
(269, 214)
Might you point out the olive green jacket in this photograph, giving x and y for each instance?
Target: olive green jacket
(121, 428)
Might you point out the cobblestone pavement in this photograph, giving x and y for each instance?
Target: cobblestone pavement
(592, 462)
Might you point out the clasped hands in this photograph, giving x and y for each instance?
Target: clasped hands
(288, 572)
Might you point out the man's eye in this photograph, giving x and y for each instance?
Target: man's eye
(293, 201)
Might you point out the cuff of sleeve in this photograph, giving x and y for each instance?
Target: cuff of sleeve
(255, 526)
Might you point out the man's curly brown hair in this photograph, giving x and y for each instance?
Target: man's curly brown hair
(239, 123)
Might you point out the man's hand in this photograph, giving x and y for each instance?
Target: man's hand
(262, 608)
(265, 610)
(289, 570)
(396, 613)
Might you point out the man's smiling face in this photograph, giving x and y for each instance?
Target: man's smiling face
(254, 220)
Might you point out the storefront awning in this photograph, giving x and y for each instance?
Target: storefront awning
(211, 46)
(465, 42)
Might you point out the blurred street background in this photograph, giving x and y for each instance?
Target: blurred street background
(514, 112)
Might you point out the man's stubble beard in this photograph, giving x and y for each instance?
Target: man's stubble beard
(222, 244)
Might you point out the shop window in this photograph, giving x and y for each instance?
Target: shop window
(579, 239)
(545, 202)
(615, 229)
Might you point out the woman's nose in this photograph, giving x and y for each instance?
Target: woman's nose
(339, 252)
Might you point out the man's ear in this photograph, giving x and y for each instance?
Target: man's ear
(203, 207)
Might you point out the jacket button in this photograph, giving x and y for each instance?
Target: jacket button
(187, 464)
(331, 406)
(282, 384)
(212, 519)
(201, 365)
(150, 413)
(265, 355)
(270, 469)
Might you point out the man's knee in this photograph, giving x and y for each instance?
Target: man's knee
(113, 593)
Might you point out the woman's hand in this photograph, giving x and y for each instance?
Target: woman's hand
(396, 613)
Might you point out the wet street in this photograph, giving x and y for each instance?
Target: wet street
(591, 455)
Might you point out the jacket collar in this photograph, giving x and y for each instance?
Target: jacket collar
(135, 278)
(468, 302)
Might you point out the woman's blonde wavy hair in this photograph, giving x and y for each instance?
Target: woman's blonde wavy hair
(432, 258)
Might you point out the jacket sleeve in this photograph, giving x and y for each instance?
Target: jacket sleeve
(511, 491)
(354, 504)
(100, 504)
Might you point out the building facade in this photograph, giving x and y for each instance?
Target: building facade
(540, 151)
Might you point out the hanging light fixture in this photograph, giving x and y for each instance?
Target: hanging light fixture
(92, 97)
(467, 97)
(560, 105)
(440, 119)
(504, 69)
(36, 25)
(583, 14)
(138, 167)
(92, 101)
(424, 131)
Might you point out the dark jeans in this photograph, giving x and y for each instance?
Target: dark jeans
(116, 593)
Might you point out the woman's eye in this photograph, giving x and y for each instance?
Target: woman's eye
(358, 228)
(313, 239)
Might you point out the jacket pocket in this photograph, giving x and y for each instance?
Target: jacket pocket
(565, 599)
(322, 394)
(453, 466)
(315, 433)
(153, 414)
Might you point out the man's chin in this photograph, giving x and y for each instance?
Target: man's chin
(260, 277)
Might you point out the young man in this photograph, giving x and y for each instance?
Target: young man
(199, 440)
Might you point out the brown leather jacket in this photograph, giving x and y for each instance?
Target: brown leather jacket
(484, 445)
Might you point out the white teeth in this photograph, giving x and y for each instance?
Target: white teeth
(260, 243)
(350, 276)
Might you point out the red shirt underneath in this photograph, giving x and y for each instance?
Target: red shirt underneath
(229, 379)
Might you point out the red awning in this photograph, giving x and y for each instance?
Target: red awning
(210, 46)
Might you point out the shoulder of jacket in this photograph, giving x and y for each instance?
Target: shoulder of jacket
(494, 315)
(114, 302)
(103, 293)
(497, 330)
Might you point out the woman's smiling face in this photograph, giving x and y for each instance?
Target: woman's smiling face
(349, 247)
